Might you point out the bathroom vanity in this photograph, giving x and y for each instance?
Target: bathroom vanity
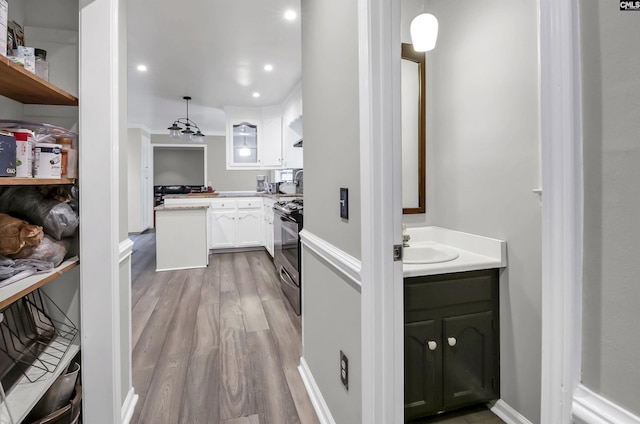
(451, 320)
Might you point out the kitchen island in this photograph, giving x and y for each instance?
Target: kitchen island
(181, 237)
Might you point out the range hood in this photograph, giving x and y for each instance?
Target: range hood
(298, 143)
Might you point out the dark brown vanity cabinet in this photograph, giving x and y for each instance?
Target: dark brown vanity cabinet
(451, 341)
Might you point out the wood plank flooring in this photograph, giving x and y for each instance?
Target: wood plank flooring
(218, 345)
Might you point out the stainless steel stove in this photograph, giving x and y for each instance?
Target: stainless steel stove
(288, 217)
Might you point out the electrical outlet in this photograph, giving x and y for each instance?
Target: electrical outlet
(344, 370)
(344, 203)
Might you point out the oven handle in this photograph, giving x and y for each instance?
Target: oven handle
(284, 275)
(286, 218)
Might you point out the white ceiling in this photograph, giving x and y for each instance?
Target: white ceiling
(213, 51)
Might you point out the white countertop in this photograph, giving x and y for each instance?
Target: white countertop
(474, 252)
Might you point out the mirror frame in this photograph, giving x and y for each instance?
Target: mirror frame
(409, 54)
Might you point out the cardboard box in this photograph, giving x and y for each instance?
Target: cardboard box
(4, 13)
(7, 155)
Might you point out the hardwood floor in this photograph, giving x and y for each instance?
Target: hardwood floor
(218, 345)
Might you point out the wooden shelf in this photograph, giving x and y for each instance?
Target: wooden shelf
(12, 292)
(24, 396)
(25, 87)
(9, 181)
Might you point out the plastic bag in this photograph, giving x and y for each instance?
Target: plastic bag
(49, 251)
(57, 219)
(16, 234)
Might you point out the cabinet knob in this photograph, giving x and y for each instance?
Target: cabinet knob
(432, 345)
(452, 341)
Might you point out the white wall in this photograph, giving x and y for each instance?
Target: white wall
(483, 162)
(611, 114)
(331, 322)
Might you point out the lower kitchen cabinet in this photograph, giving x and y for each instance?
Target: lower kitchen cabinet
(268, 225)
(451, 341)
(236, 223)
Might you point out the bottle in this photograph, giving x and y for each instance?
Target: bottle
(69, 157)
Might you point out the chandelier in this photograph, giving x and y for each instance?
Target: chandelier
(182, 128)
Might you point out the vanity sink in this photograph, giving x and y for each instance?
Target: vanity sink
(428, 253)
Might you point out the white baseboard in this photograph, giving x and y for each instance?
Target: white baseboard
(508, 414)
(317, 400)
(591, 408)
(129, 406)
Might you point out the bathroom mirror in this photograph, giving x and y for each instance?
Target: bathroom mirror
(413, 94)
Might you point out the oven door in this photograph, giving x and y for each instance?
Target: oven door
(289, 247)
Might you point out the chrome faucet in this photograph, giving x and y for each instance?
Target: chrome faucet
(405, 237)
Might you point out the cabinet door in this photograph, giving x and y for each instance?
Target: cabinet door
(271, 143)
(223, 229)
(269, 234)
(422, 369)
(243, 140)
(249, 228)
(470, 373)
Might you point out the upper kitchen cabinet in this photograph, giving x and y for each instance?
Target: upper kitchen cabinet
(292, 129)
(254, 138)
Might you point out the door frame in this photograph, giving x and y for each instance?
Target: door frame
(381, 216)
(562, 213)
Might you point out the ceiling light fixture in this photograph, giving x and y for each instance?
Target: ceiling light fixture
(290, 15)
(142, 68)
(268, 67)
(181, 127)
(256, 94)
(424, 32)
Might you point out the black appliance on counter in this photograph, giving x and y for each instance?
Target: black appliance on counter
(287, 252)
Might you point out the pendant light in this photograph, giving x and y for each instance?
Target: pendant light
(424, 32)
(181, 128)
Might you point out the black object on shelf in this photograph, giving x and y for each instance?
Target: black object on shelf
(34, 337)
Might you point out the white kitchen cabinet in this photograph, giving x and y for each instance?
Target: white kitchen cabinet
(249, 228)
(254, 138)
(292, 129)
(236, 222)
(271, 151)
(268, 224)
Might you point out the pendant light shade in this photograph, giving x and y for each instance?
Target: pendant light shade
(424, 32)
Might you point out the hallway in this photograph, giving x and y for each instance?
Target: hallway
(218, 345)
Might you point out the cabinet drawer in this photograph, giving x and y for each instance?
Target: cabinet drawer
(249, 204)
(441, 291)
(223, 204)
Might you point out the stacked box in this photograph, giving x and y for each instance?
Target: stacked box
(7, 155)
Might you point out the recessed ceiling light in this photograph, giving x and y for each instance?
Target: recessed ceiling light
(268, 67)
(256, 94)
(142, 68)
(290, 15)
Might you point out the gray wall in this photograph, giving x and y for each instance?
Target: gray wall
(220, 177)
(611, 89)
(484, 162)
(178, 166)
(331, 159)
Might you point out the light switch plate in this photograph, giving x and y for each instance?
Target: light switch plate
(344, 203)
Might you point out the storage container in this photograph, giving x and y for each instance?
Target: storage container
(69, 158)
(47, 160)
(24, 153)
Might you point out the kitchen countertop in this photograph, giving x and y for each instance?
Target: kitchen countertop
(474, 252)
(226, 194)
(179, 207)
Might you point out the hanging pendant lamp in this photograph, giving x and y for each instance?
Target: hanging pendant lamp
(424, 32)
(181, 128)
